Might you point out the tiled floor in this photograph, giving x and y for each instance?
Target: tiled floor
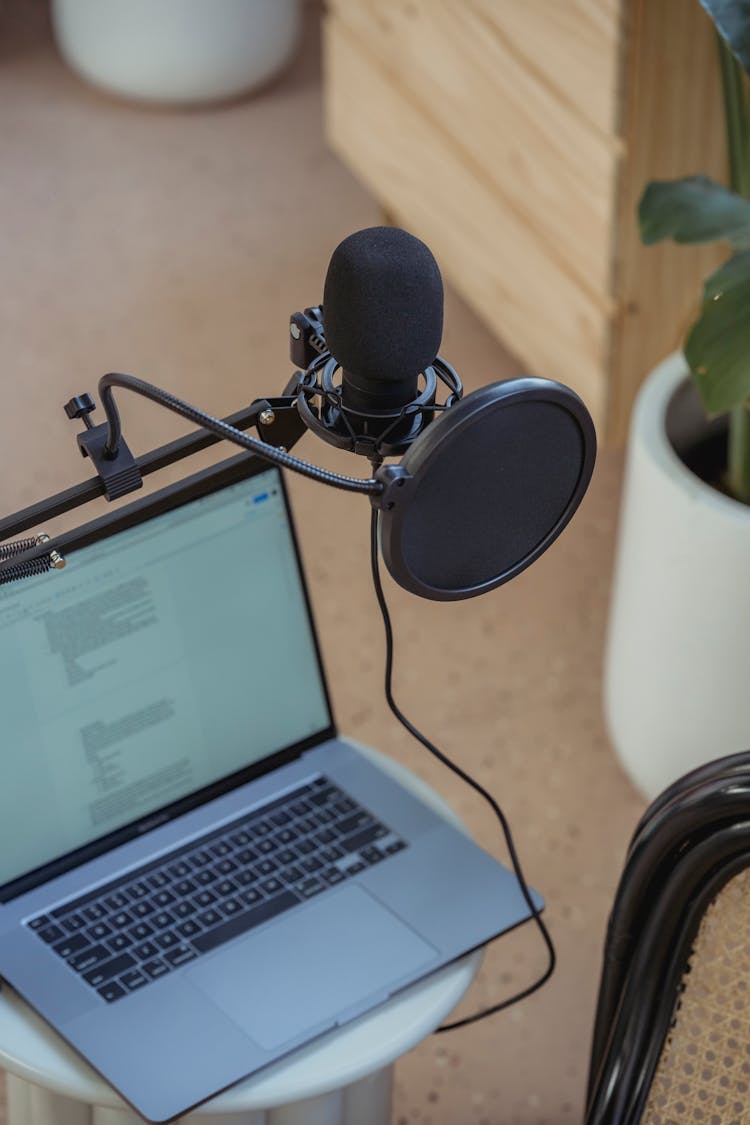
(174, 246)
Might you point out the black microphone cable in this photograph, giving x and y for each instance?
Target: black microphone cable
(446, 761)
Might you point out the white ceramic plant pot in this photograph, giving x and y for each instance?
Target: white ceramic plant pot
(176, 51)
(677, 665)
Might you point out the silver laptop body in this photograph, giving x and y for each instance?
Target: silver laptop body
(197, 875)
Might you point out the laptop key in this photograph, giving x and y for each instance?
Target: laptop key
(354, 823)
(231, 906)
(51, 934)
(181, 869)
(73, 922)
(246, 877)
(304, 847)
(70, 945)
(109, 969)
(210, 918)
(287, 836)
(89, 957)
(145, 951)
(205, 898)
(111, 991)
(266, 867)
(225, 887)
(360, 840)
(311, 864)
(158, 880)
(267, 846)
(372, 855)
(40, 922)
(396, 846)
(197, 860)
(240, 839)
(142, 909)
(330, 855)
(287, 856)
(138, 890)
(162, 919)
(134, 979)
(185, 887)
(117, 901)
(184, 909)
(252, 896)
(247, 855)
(205, 876)
(292, 874)
(167, 939)
(118, 942)
(156, 968)
(179, 955)
(99, 931)
(121, 920)
(220, 849)
(333, 875)
(310, 887)
(262, 828)
(189, 928)
(281, 818)
(226, 867)
(272, 886)
(142, 931)
(163, 898)
(241, 923)
(95, 913)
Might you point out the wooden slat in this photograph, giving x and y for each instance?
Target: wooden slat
(673, 125)
(502, 266)
(572, 46)
(459, 63)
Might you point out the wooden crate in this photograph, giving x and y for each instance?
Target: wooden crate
(514, 137)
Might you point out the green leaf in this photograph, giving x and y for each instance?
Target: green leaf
(732, 20)
(718, 346)
(694, 209)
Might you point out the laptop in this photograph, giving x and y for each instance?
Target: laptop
(197, 875)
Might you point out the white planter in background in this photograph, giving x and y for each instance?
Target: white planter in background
(176, 51)
(677, 665)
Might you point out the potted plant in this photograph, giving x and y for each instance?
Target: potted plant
(677, 664)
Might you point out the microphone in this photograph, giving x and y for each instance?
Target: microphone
(382, 316)
(371, 368)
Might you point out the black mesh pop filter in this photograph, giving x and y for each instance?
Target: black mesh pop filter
(487, 488)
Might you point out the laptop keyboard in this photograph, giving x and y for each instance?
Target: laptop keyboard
(139, 928)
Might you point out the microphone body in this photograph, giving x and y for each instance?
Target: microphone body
(383, 320)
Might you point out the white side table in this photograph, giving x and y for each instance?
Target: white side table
(344, 1078)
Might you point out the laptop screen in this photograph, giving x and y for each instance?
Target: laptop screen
(162, 659)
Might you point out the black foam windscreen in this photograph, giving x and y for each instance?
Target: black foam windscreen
(487, 488)
(383, 315)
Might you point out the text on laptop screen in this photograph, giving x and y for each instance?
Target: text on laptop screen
(161, 660)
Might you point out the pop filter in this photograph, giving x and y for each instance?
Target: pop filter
(486, 488)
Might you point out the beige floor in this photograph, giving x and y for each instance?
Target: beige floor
(174, 246)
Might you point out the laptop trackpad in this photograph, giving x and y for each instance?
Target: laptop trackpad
(306, 969)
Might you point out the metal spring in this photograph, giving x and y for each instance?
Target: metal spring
(8, 550)
(26, 569)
